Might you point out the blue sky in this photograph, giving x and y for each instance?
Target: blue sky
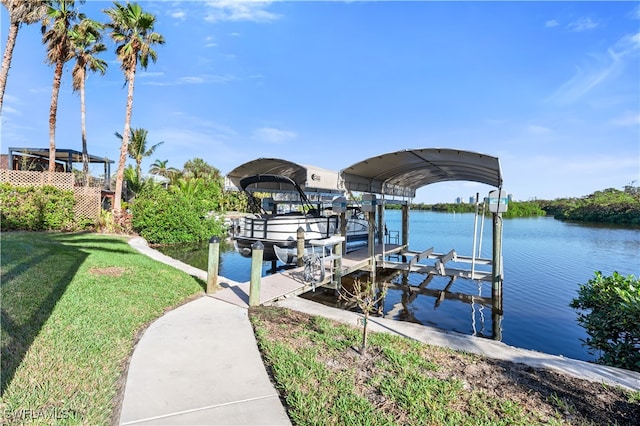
(551, 88)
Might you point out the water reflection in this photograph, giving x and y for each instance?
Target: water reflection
(406, 302)
(545, 261)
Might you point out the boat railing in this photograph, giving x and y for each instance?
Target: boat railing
(284, 226)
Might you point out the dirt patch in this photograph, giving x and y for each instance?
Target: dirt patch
(111, 271)
(549, 394)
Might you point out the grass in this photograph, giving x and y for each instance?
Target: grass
(72, 306)
(321, 376)
(325, 379)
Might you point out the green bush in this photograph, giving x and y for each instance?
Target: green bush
(610, 313)
(164, 216)
(36, 209)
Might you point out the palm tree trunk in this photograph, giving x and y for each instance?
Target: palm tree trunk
(83, 119)
(6, 59)
(124, 148)
(57, 78)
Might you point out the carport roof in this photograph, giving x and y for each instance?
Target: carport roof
(400, 173)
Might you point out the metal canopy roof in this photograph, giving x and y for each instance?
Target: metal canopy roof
(401, 173)
(66, 155)
(309, 178)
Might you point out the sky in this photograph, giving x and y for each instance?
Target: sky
(550, 88)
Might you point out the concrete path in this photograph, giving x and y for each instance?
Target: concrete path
(199, 364)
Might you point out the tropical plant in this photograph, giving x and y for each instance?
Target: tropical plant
(160, 168)
(609, 310)
(165, 217)
(36, 209)
(198, 168)
(138, 146)
(20, 12)
(85, 40)
(132, 30)
(60, 18)
(190, 188)
(134, 182)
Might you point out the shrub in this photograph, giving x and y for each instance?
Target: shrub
(162, 217)
(36, 209)
(610, 311)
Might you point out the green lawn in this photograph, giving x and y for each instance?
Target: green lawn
(72, 306)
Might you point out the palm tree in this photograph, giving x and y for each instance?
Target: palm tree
(198, 168)
(159, 167)
(138, 146)
(20, 12)
(55, 35)
(85, 39)
(132, 30)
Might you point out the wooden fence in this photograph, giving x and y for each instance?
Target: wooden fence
(88, 199)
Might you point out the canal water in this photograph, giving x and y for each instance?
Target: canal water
(545, 261)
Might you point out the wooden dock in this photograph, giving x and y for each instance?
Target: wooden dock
(291, 282)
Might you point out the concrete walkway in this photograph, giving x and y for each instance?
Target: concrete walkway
(199, 364)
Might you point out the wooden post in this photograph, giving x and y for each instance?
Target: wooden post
(257, 253)
(405, 228)
(496, 270)
(405, 225)
(381, 225)
(337, 251)
(496, 324)
(213, 264)
(300, 246)
(371, 217)
(343, 230)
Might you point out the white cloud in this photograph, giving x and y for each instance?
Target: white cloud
(606, 66)
(191, 80)
(239, 10)
(273, 135)
(537, 130)
(210, 42)
(551, 23)
(627, 119)
(582, 24)
(180, 15)
(146, 74)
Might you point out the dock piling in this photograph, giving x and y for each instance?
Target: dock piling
(257, 253)
(337, 275)
(213, 264)
(300, 246)
(496, 270)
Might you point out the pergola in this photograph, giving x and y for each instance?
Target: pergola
(65, 157)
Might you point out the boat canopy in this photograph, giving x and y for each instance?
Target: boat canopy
(310, 179)
(397, 174)
(400, 173)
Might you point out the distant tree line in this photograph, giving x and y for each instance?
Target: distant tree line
(606, 206)
(516, 208)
